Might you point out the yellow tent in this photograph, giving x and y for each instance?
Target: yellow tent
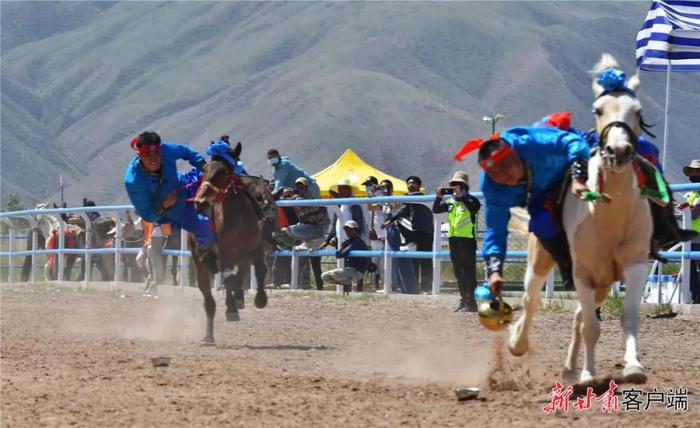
(352, 168)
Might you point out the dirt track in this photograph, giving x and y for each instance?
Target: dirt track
(83, 358)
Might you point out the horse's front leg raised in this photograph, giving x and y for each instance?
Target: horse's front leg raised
(539, 263)
(635, 276)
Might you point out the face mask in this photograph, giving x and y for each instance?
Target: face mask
(273, 161)
(368, 189)
(695, 179)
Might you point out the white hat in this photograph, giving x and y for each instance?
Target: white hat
(352, 224)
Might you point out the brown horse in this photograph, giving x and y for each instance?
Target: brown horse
(238, 239)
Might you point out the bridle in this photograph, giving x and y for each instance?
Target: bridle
(634, 139)
(232, 185)
(603, 139)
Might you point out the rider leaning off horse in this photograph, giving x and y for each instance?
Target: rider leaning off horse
(159, 193)
(525, 167)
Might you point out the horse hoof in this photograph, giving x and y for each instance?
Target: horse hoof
(240, 304)
(586, 378)
(518, 350)
(232, 316)
(568, 376)
(260, 299)
(634, 374)
(207, 341)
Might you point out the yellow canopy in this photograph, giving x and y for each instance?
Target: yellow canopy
(352, 168)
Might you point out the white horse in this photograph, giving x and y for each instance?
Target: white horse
(609, 240)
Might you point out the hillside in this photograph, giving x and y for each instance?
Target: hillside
(403, 84)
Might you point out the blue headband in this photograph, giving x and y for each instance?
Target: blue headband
(222, 149)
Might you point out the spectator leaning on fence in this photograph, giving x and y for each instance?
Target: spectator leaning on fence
(462, 209)
(692, 171)
(355, 267)
(312, 221)
(286, 173)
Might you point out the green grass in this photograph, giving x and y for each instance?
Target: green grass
(613, 306)
(553, 307)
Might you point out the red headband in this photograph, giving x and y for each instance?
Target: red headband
(495, 157)
(144, 149)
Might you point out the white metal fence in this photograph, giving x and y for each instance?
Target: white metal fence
(118, 212)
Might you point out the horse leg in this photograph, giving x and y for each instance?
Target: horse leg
(635, 276)
(260, 273)
(590, 328)
(229, 279)
(204, 284)
(539, 264)
(569, 372)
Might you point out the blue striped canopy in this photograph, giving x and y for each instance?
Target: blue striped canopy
(671, 31)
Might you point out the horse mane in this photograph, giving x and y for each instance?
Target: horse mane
(606, 61)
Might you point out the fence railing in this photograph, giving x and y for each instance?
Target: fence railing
(437, 255)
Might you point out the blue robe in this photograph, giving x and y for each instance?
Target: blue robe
(547, 152)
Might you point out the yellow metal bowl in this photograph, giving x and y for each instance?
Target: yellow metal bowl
(495, 315)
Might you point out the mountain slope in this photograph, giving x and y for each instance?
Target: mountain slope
(402, 83)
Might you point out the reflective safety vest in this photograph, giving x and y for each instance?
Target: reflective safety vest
(459, 220)
(693, 199)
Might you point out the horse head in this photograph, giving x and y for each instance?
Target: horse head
(218, 182)
(617, 111)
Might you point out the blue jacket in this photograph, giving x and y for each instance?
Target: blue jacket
(147, 191)
(547, 152)
(286, 173)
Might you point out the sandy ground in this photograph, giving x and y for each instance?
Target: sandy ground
(83, 357)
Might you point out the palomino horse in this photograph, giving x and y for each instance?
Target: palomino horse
(609, 239)
(238, 239)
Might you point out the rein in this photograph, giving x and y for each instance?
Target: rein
(232, 186)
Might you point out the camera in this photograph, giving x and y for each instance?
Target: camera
(446, 190)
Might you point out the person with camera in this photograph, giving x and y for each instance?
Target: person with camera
(311, 221)
(461, 210)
